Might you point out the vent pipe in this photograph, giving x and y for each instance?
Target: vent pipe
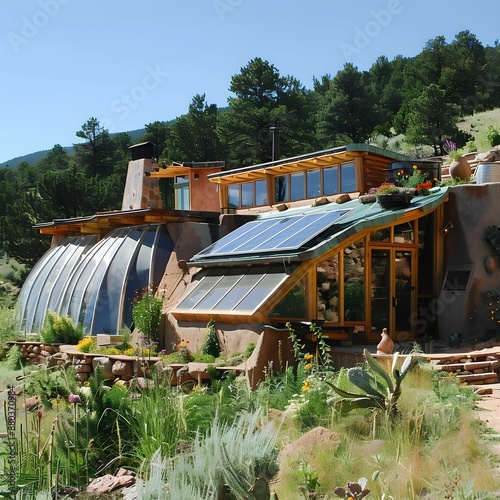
(276, 143)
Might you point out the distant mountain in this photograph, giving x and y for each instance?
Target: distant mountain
(34, 158)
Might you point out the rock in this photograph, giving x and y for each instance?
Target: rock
(81, 377)
(144, 383)
(198, 371)
(109, 483)
(58, 359)
(32, 403)
(105, 365)
(123, 369)
(315, 442)
(125, 472)
(83, 368)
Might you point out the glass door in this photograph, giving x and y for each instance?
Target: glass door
(380, 292)
(392, 296)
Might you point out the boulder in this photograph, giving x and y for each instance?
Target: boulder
(198, 371)
(123, 369)
(105, 365)
(109, 483)
(317, 441)
(58, 359)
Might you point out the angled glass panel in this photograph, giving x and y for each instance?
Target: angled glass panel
(313, 188)
(297, 186)
(201, 290)
(80, 247)
(247, 194)
(331, 180)
(225, 289)
(259, 293)
(240, 290)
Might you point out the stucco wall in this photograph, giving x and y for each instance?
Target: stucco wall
(471, 209)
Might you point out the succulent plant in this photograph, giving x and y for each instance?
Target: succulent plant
(380, 392)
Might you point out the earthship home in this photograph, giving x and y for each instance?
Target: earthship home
(252, 248)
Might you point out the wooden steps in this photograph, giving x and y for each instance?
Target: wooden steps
(475, 368)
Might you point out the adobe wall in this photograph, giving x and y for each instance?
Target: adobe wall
(471, 209)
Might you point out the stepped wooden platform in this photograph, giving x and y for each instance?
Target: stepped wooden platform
(474, 367)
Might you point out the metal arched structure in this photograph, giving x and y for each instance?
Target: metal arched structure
(95, 282)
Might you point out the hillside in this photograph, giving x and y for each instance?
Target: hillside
(33, 158)
(477, 125)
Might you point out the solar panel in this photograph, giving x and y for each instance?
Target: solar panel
(272, 235)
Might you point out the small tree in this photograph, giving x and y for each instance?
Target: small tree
(60, 329)
(211, 343)
(146, 313)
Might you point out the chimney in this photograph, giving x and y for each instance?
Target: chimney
(141, 191)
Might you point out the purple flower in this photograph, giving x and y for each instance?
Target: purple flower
(74, 398)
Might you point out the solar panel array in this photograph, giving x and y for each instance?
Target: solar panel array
(272, 235)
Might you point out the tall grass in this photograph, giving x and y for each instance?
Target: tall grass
(432, 449)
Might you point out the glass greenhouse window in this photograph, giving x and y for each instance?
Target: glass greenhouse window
(348, 178)
(297, 186)
(313, 186)
(260, 193)
(240, 291)
(293, 305)
(330, 180)
(233, 196)
(94, 282)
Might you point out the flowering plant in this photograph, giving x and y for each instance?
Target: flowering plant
(417, 181)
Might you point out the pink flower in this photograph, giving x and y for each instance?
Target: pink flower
(74, 398)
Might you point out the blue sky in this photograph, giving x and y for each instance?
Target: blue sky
(130, 62)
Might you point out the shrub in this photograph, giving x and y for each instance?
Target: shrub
(146, 313)
(87, 344)
(15, 358)
(493, 136)
(211, 343)
(60, 329)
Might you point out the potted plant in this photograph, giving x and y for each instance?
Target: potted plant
(459, 166)
(390, 196)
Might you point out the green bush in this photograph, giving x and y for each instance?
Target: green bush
(146, 313)
(15, 358)
(60, 330)
(211, 343)
(493, 136)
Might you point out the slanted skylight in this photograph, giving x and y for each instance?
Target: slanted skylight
(272, 235)
(236, 291)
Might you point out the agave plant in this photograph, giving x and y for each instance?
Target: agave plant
(381, 391)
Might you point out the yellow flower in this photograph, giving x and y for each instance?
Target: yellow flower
(308, 356)
(308, 366)
(305, 386)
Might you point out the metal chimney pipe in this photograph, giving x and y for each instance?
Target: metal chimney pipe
(276, 143)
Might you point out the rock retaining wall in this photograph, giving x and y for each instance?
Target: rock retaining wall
(34, 352)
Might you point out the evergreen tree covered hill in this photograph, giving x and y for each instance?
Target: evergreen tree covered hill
(422, 99)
